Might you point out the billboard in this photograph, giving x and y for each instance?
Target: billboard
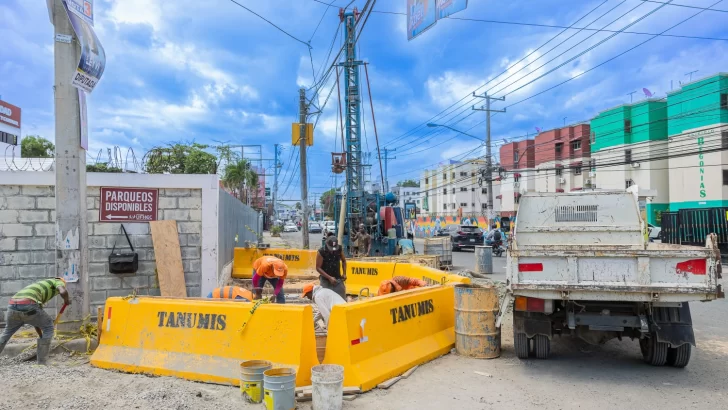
(93, 58)
(83, 9)
(448, 7)
(9, 123)
(420, 16)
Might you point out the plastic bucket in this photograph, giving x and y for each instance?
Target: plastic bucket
(279, 389)
(251, 379)
(327, 382)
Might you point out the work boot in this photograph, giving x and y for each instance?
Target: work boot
(44, 349)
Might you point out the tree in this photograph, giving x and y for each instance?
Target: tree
(239, 176)
(327, 202)
(181, 159)
(298, 206)
(35, 146)
(409, 183)
(101, 167)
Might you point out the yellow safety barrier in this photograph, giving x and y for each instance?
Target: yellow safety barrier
(429, 275)
(366, 276)
(379, 338)
(204, 340)
(300, 262)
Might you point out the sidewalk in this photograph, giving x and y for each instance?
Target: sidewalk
(275, 242)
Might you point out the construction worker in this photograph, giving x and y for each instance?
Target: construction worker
(26, 308)
(330, 262)
(365, 241)
(399, 283)
(231, 292)
(272, 270)
(325, 300)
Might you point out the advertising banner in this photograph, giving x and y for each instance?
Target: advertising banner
(448, 7)
(410, 210)
(9, 122)
(83, 9)
(420, 16)
(93, 58)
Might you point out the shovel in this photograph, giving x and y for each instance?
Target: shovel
(58, 317)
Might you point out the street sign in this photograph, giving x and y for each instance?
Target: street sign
(128, 204)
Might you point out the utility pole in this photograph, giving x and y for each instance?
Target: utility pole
(386, 159)
(302, 143)
(488, 153)
(71, 220)
(275, 181)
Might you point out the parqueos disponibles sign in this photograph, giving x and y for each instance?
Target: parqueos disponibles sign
(128, 204)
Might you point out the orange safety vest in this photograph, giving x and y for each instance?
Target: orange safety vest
(399, 283)
(232, 292)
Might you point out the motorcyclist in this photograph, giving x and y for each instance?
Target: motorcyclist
(495, 236)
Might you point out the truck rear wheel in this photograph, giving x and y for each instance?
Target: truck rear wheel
(520, 342)
(679, 356)
(654, 352)
(541, 346)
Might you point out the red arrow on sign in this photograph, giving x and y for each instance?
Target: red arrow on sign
(116, 217)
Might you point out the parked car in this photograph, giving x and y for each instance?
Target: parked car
(654, 233)
(446, 230)
(329, 226)
(466, 236)
(314, 228)
(290, 227)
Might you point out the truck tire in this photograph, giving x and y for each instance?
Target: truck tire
(541, 346)
(654, 352)
(520, 342)
(679, 356)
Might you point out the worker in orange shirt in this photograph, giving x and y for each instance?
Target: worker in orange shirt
(272, 270)
(399, 283)
(231, 292)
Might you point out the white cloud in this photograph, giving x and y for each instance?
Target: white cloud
(450, 87)
(137, 12)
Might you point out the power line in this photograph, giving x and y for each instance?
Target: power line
(274, 25)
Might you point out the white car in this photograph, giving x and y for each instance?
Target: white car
(330, 226)
(289, 227)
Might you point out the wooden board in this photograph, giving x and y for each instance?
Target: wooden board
(168, 258)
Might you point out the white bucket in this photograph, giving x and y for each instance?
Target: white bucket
(328, 386)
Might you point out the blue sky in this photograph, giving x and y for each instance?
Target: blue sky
(212, 72)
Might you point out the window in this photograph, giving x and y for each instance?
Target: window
(464, 204)
(628, 183)
(725, 177)
(593, 164)
(483, 206)
(559, 172)
(627, 126)
(444, 191)
(483, 190)
(472, 174)
(515, 157)
(453, 190)
(453, 175)
(724, 101)
(453, 205)
(593, 137)
(576, 170)
(463, 189)
(575, 145)
(628, 156)
(463, 174)
(473, 204)
(472, 189)
(427, 181)
(418, 201)
(517, 199)
(444, 176)
(516, 177)
(558, 148)
(724, 138)
(444, 206)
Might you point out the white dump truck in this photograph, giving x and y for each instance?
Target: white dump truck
(579, 265)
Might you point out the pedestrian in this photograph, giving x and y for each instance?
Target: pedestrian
(272, 270)
(231, 292)
(330, 262)
(325, 300)
(365, 241)
(26, 308)
(399, 283)
(354, 242)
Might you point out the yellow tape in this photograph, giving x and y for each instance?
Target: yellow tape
(200, 339)
(383, 337)
(300, 262)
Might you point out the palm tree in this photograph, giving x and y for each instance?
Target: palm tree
(239, 176)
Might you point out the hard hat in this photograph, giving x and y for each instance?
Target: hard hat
(307, 288)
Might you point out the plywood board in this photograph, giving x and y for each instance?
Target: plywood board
(168, 258)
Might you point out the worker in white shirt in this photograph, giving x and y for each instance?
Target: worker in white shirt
(325, 299)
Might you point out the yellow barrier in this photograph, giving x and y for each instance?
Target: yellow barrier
(383, 337)
(203, 340)
(367, 275)
(300, 262)
(429, 275)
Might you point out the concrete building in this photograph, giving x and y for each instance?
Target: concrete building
(453, 189)
(697, 144)
(518, 161)
(562, 158)
(408, 194)
(629, 145)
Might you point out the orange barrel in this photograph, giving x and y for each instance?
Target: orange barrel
(476, 311)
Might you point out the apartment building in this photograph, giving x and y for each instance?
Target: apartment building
(453, 189)
(407, 194)
(519, 176)
(630, 145)
(562, 157)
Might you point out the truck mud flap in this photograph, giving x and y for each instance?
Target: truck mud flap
(532, 324)
(673, 325)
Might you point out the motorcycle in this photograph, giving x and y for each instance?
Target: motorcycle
(498, 248)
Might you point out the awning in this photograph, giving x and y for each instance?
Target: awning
(560, 190)
(499, 197)
(559, 166)
(576, 189)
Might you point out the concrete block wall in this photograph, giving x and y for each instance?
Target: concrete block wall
(27, 241)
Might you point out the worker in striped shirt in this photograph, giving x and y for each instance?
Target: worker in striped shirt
(26, 308)
(231, 292)
(399, 283)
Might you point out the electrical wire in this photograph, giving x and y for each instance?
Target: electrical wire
(273, 24)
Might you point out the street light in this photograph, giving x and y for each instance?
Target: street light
(433, 125)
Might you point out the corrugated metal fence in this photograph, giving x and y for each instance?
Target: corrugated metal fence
(235, 219)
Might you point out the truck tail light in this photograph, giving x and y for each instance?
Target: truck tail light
(693, 266)
(526, 304)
